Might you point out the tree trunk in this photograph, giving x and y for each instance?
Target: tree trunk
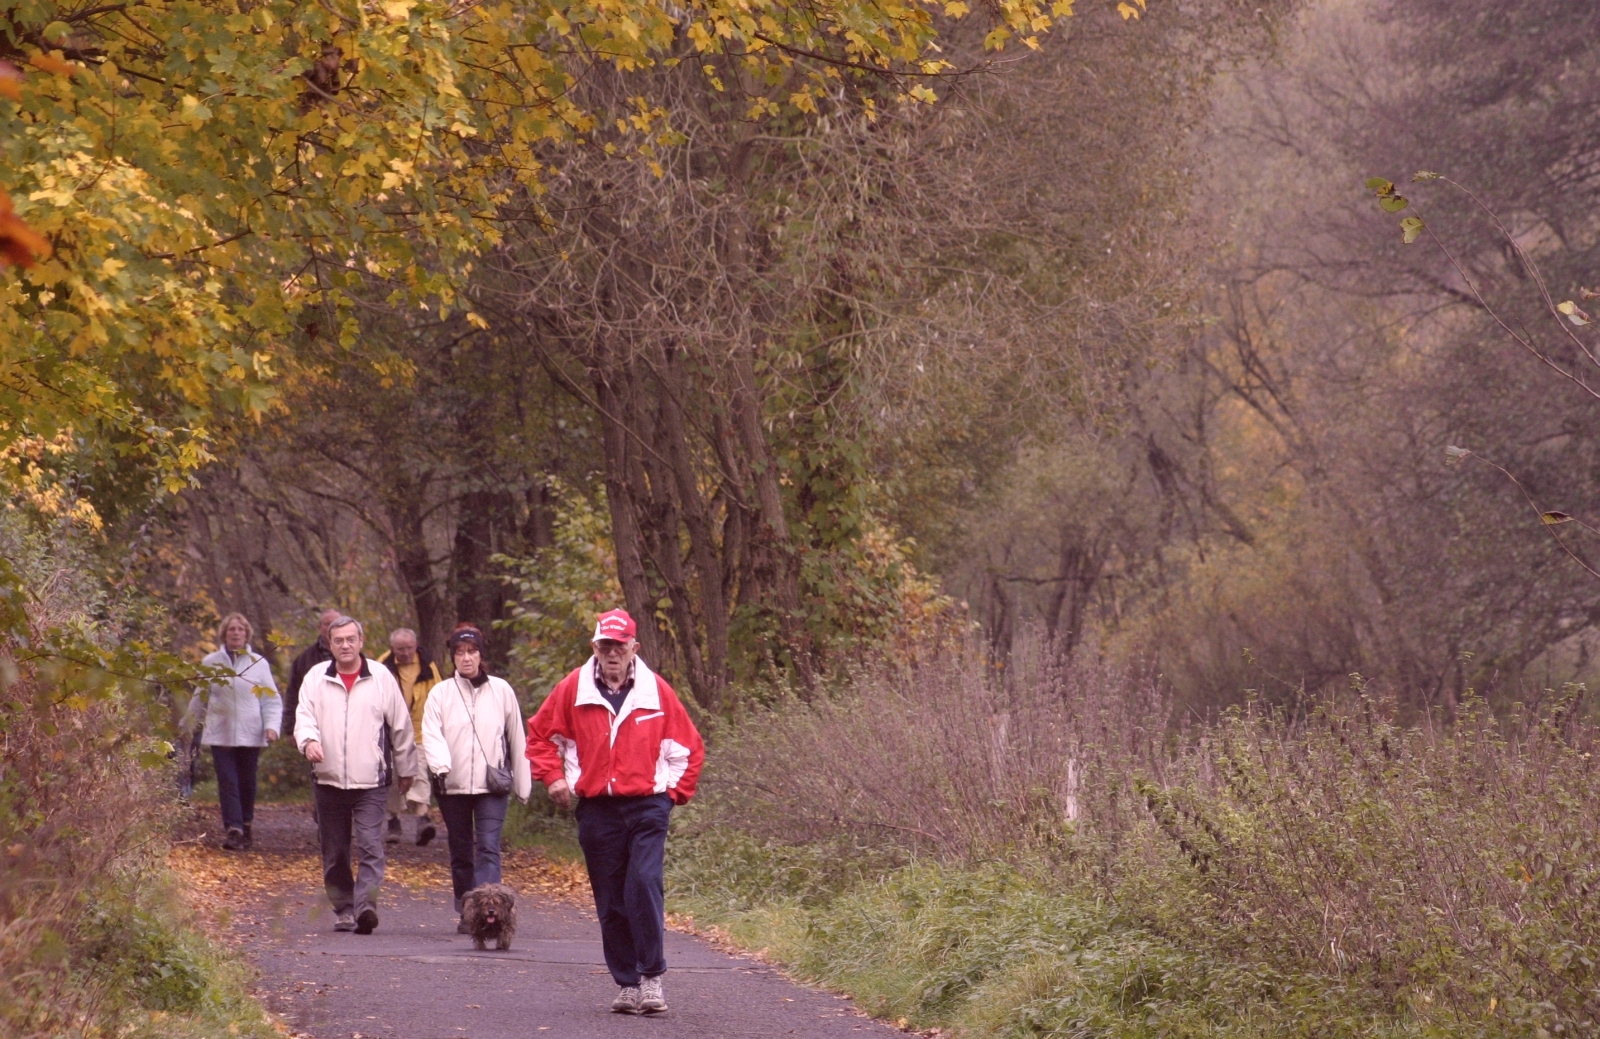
(774, 559)
(416, 571)
(702, 547)
(480, 595)
(625, 533)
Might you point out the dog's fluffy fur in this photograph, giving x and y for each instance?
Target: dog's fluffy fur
(490, 910)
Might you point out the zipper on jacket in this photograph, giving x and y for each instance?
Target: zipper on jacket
(472, 726)
(346, 734)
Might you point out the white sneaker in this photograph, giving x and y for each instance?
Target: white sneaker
(627, 1001)
(651, 1000)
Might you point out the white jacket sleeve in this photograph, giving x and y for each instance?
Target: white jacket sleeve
(435, 750)
(516, 738)
(305, 715)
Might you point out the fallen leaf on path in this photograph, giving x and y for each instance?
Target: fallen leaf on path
(220, 882)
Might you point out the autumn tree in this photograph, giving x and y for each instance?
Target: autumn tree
(753, 321)
(215, 178)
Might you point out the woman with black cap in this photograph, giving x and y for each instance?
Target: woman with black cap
(472, 739)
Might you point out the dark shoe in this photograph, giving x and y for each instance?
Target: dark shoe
(463, 928)
(367, 922)
(425, 833)
(393, 836)
(234, 841)
(344, 922)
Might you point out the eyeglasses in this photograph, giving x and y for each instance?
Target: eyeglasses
(348, 640)
(610, 647)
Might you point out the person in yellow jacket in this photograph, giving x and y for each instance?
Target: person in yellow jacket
(416, 672)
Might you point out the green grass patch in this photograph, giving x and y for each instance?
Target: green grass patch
(161, 977)
(987, 950)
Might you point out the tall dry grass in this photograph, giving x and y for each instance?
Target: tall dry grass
(950, 756)
(1334, 867)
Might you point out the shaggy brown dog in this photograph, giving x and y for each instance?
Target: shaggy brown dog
(490, 911)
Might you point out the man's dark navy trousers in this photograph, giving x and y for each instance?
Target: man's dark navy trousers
(624, 841)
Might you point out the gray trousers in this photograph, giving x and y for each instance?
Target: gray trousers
(342, 814)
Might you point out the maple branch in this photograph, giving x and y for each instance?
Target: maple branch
(801, 52)
(247, 232)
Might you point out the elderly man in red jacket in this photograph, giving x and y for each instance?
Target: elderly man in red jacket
(614, 735)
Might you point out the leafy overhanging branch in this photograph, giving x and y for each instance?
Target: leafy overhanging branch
(61, 666)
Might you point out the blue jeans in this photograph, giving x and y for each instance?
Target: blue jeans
(624, 842)
(472, 824)
(236, 784)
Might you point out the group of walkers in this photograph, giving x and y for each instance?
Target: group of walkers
(382, 735)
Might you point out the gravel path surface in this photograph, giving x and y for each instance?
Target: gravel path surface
(415, 978)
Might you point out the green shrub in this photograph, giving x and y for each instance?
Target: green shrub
(142, 956)
(282, 775)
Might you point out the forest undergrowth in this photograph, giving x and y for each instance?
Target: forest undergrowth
(1040, 853)
(96, 937)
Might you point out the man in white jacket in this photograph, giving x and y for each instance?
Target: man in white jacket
(352, 724)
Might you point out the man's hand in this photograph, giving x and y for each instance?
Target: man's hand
(560, 793)
(405, 785)
(270, 735)
(314, 752)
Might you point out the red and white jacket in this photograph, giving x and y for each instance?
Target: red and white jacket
(648, 747)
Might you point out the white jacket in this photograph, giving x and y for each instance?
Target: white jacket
(454, 708)
(365, 733)
(234, 713)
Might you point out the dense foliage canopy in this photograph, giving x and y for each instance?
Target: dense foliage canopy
(219, 179)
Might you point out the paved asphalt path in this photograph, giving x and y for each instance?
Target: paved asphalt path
(415, 978)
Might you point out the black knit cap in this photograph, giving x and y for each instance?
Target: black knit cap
(463, 634)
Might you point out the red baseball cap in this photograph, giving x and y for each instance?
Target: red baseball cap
(615, 625)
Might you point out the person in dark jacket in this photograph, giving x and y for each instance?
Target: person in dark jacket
(308, 658)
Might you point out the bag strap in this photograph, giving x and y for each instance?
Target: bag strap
(472, 720)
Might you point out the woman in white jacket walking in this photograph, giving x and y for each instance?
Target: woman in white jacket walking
(472, 740)
(237, 717)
